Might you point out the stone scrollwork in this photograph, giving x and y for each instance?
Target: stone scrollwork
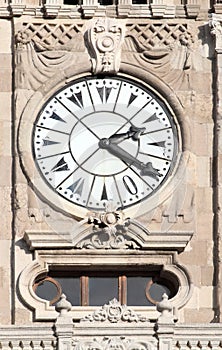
(109, 232)
(112, 343)
(114, 312)
(104, 40)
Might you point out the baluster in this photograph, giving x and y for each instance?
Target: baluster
(193, 8)
(52, 7)
(158, 8)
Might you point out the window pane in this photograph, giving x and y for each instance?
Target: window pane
(136, 291)
(46, 290)
(102, 290)
(157, 290)
(71, 288)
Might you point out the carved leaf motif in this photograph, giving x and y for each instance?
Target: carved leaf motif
(114, 312)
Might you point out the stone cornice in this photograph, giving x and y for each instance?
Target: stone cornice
(172, 240)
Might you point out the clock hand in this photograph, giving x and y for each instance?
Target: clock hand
(133, 133)
(113, 148)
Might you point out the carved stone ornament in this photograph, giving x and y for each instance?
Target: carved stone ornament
(113, 343)
(104, 40)
(109, 232)
(114, 312)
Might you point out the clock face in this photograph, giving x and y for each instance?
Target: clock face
(102, 140)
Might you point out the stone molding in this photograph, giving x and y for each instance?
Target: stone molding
(89, 9)
(135, 238)
(144, 338)
(168, 266)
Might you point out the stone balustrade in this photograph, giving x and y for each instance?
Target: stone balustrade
(91, 8)
(112, 326)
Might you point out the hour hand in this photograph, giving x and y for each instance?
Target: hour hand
(145, 169)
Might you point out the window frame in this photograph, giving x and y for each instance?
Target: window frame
(45, 260)
(152, 274)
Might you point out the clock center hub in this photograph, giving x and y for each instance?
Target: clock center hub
(89, 142)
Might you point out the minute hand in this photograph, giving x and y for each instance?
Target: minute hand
(146, 169)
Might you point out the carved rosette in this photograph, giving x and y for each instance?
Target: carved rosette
(114, 312)
(104, 40)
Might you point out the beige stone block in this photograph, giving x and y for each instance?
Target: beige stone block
(5, 213)
(203, 108)
(5, 174)
(193, 303)
(197, 255)
(202, 139)
(207, 274)
(204, 222)
(5, 106)
(5, 281)
(203, 199)
(5, 60)
(203, 171)
(198, 316)
(206, 297)
(22, 316)
(5, 139)
(5, 81)
(201, 82)
(5, 36)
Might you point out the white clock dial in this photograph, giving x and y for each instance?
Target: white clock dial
(105, 139)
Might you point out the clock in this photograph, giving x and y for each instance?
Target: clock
(105, 139)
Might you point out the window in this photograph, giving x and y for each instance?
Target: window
(72, 2)
(95, 288)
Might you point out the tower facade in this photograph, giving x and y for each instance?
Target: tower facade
(110, 174)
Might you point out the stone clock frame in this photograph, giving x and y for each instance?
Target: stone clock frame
(46, 90)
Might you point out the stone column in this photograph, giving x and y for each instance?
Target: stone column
(64, 325)
(216, 30)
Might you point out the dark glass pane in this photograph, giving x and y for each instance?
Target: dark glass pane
(157, 290)
(46, 290)
(72, 2)
(139, 2)
(71, 288)
(102, 290)
(136, 291)
(106, 2)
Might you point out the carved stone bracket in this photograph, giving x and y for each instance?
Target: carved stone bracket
(104, 40)
(216, 29)
(114, 312)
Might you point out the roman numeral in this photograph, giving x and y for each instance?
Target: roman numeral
(49, 142)
(104, 93)
(61, 166)
(104, 194)
(151, 118)
(57, 117)
(131, 99)
(159, 144)
(77, 99)
(77, 186)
